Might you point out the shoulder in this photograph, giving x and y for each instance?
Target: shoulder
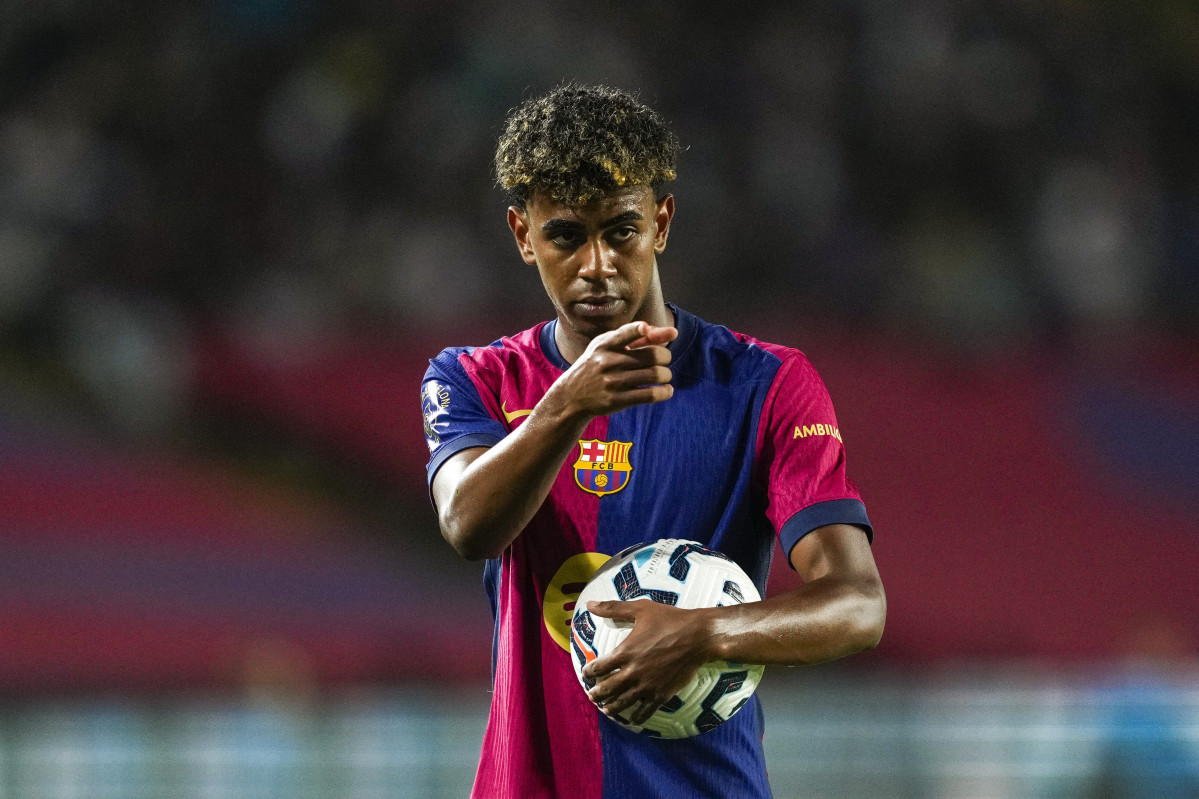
(502, 355)
(729, 355)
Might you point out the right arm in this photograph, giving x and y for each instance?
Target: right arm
(486, 495)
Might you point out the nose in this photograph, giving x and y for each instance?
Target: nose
(596, 260)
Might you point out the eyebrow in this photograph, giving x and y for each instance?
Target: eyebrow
(626, 216)
(554, 225)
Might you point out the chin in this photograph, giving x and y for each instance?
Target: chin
(592, 327)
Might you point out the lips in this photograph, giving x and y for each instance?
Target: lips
(598, 305)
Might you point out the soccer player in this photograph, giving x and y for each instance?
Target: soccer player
(623, 420)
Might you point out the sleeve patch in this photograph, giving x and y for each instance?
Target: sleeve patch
(435, 404)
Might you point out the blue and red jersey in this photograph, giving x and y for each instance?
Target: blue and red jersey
(747, 449)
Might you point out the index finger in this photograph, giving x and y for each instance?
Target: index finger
(620, 611)
(655, 336)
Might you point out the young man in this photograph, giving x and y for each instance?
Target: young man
(625, 420)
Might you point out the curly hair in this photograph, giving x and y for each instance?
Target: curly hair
(580, 142)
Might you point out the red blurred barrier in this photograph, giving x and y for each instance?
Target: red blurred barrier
(1027, 505)
(1009, 524)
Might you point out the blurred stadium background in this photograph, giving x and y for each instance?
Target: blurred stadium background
(233, 231)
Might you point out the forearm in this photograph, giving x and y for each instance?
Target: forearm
(825, 619)
(485, 499)
(499, 492)
(839, 610)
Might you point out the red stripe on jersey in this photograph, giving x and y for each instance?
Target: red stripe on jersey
(542, 737)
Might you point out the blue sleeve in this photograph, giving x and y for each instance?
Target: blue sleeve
(833, 511)
(455, 417)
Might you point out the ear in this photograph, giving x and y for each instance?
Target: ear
(663, 213)
(518, 220)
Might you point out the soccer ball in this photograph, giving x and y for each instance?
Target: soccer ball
(688, 575)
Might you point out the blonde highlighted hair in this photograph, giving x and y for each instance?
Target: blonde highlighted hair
(578, 143)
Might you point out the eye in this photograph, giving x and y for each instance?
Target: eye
(623, 234)
(565, 239)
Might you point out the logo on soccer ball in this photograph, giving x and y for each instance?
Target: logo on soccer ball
(603, 466)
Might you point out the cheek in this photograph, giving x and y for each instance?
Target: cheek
(643, 274)
(553, 280)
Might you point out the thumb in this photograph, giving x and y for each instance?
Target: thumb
(623, 336)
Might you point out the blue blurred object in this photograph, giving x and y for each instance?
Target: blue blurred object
(1147, 749)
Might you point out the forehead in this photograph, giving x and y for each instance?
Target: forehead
(633, 198)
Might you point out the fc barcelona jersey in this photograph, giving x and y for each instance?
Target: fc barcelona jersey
(748, 449)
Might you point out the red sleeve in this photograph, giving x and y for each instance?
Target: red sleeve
(800, 462)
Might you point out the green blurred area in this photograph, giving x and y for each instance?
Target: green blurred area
(993, 731)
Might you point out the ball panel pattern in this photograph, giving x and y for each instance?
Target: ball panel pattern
(688, 575)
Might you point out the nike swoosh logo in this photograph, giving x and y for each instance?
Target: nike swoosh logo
(514, 415)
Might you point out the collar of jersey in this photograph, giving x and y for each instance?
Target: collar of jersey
(686, 324)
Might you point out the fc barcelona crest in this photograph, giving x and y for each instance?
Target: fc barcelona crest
(603, 466)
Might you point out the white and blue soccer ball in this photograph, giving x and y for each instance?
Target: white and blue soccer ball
(688, 575)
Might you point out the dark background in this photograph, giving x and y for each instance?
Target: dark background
(232, 234)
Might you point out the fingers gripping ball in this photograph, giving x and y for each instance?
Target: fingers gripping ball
(688, 575)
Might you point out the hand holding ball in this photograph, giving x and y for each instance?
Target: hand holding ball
(687, 575)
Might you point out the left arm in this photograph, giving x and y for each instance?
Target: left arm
(840, 609)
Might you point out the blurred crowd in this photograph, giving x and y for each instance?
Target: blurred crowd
(976, 171)
(211, 190)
